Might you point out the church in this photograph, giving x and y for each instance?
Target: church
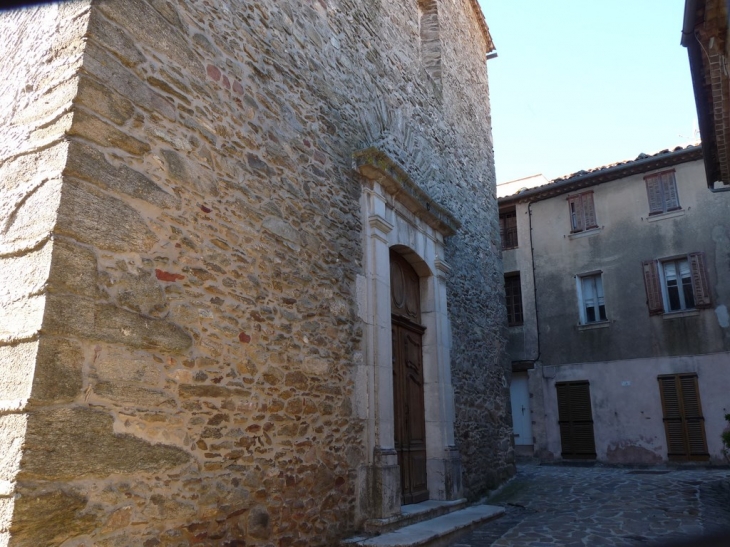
(251, 287)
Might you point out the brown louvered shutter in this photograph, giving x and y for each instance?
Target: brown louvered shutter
(654, 192)
(700, 280)
(669, 188)
(672, 417)
(575, 207)
(683, 421)
(653, 287)
(589, 210)
(575, 419)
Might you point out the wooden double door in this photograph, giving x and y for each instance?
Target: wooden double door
(408, 382)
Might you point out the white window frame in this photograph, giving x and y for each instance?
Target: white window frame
(583, 318)
(665, 290)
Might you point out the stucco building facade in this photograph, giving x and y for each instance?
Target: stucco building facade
(621, 351)
(200, 205)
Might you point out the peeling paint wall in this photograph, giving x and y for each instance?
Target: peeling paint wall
(623, 357)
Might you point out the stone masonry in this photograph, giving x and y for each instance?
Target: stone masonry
(180, 243)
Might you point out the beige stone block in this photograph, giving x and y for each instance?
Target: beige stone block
(148, 26)
(24, 275)
(68, 443)
(50, 102)
(58, 370)
(102, 221)
(90, 127)
(12, 435)
(29, 213)
(116, 364)
(114, 324)
(73, 269)
(6, 515)
(17, 364)
(104, 101)
(50, 518)
(114, 38)
(68, 316)
(107, 69)
(21, 319)
(134, 395)
(89, 164)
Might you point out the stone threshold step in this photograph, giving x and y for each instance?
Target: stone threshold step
(413, 513)
(437, 532)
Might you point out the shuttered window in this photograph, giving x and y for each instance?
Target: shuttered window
(683, 422)
(677, 284)
(661, 189)
(513, 293)
(508, 228)
(582, 212)
(575, 419)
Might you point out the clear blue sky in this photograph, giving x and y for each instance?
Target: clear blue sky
(584, 83)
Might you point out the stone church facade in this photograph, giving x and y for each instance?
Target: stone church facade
(212, 217)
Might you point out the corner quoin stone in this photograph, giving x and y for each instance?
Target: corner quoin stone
(71, 443)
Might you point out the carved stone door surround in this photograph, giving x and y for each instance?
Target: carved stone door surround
(397, 215)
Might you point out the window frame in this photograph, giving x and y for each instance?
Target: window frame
(582, 212)
(655, 283)
(506, 232)
(582, 312)
(660, 192)
(509, 300)
(681, 296)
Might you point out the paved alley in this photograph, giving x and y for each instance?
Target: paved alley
(595, 506)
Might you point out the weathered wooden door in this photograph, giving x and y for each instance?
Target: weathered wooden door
(684, 424)
(576, 420)
(410, 424)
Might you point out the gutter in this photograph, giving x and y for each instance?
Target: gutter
(605, 175)
(688, 27)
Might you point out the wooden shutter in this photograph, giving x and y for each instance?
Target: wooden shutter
(653, 287)
(575, 419)
(683, 421)
(669, 188)
(575, 208)
(700, 280)
(654, 192)
(589, 210)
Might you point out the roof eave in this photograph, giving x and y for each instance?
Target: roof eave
(604, 175)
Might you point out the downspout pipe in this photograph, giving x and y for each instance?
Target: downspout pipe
(534, 282)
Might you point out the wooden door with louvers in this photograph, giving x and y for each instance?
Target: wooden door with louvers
(408, 381)
(575, 419)
(684, 424)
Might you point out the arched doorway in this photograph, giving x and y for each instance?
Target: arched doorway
(408, 379)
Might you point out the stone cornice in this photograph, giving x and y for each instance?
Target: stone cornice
(376, 165)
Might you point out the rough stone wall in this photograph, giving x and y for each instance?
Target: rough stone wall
(193, 379)
(41, 51)
(480, 366)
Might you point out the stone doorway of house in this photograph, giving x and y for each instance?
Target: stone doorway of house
(408, 380)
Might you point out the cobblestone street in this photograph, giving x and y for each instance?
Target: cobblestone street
(595, 506)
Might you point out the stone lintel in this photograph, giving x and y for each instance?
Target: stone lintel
(376, 165)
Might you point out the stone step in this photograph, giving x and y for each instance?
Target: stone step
(436, 532)
(413, 513)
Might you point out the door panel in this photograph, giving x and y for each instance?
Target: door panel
(521, 418)
(575, 420)
(684, 424)
(410, 424)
